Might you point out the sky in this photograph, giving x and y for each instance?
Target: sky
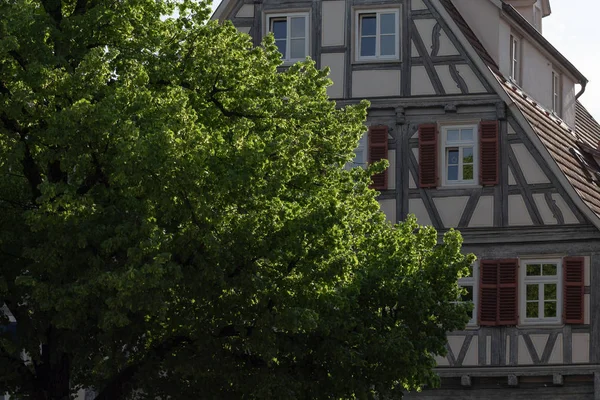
(572, 29)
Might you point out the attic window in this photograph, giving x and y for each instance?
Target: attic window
(515, 61)
(585, 157)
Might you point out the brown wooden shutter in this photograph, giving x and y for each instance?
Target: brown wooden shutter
(488, 153)
(508, 278)
(428, 155)
(378, 150)
(573, 290)
(488, 292)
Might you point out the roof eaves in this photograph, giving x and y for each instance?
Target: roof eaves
(527, 27)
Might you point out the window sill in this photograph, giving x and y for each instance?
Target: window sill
(460, 186)
(377, 61)
(543, 324)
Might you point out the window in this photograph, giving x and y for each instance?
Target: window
(514, 59)
(378, 35)
(469, 283)
(541, 291)
(360, 158)
(291, 35)
(556, 92)
(459, 149)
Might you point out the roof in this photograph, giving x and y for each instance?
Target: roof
(568, 148)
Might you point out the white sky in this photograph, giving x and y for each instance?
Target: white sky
(572, 30)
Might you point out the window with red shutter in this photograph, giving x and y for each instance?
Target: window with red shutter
(573, 268)
(428, 153)
(488, 153)
(508, 277)
(378, 150)
(498, 300)
(488, 292)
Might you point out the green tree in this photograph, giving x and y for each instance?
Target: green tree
(176, 219)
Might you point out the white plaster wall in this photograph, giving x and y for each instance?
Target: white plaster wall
(243, 29)
(523, 356)
(455, 343)
(488, 350)
(473, 83)
(539, 343)
(392, 169)
(336, 63)
(333, 23)
(511, 177)
(483, 216)
(545, 212)
(414, 51)
(581, 348)
(449, 84)
(420, 85)
(484, 19)
(530, 168)
(586, 271)
(471, 356)
(569, 101)
(442, 361)
(450, 209)
(246, 11)
(418, 5)
(568, 215)
(375, 83)
(411, 182)
(586, 308)
(504, 58)
(425, 28)
(556, 357)
(447, 48)
(536, 74)
(416, 207)
(517, 211)
(388, 207)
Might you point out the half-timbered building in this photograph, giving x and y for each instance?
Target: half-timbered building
(478, 115)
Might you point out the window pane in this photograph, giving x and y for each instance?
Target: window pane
(469, 295)
(533, 292)
(359, 158)
(453, 156)
(452, 135)
(468, 155)
(533, 269)
(368, 25)
(532, 310)
(281, 45)
(367, 46)
(298, 27)
(298, 48)
(453, 173)
(549, 309)
(468, 172)
(387, 45)
(388, 23)
(279, 28)
(550, 291)
(549, 269)
(466, 134)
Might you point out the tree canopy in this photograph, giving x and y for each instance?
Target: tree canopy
(176, 219)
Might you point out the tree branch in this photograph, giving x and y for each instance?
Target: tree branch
(120, 385)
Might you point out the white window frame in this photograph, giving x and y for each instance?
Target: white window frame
(362, 145)
(288, 48)
(459, 144)
(524, 280)
(377, 13)
(515, 58)
(472, 281)
(556, 92)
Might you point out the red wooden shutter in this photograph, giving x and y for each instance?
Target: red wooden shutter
(573, 290)
(508, 306)
(488, 292)
(488, 152)
(428, 154)
(378, 150)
